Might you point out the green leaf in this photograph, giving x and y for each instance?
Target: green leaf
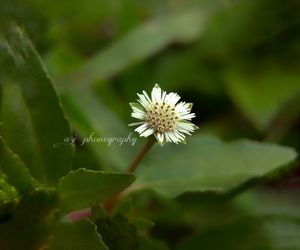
(263, 96)
(206, 164)
(81, 188)
(32, 118)
(77, 236)
(15, 169)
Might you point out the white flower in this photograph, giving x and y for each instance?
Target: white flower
(163, 116)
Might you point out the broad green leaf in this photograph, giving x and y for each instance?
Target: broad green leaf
(82, 188)
(80, 235)
(206, 164)
(140, 43)
(262, 96)
(15, 169)
(31, 114)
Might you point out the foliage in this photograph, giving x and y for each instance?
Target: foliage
(67, 74)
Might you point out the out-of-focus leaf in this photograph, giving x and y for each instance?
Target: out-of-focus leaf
(82, 188)
(264, 220)
(262, 96)
(61, 60)
(206, 164)
(33, 121)
(80, 235)
(253, 31)
(15, 170)
(252, 233)
(142, 42)
(101, 130)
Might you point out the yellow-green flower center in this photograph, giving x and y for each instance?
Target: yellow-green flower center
(162, 117)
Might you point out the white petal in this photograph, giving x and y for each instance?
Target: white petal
(188, 116)
(148, 132)
(156, 93)
(143, 101)
(172, 98)
(183, 108)
(146, 95)
(135, 123)
(164, 94)
(173, 137)
(185, 127)
(168, 138)
(137, 115)
(141, 128)
(180, 136)
(159, 136)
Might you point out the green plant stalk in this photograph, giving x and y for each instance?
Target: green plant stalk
(133, 166)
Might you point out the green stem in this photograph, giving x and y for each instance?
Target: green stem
(133, 166)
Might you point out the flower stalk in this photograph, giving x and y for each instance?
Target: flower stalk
(133, 166)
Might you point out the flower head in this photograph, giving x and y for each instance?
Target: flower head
(163, 116)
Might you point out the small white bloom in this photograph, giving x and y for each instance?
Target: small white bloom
(163, 116)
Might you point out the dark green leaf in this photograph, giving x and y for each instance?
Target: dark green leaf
(33, 121)
(82, 188)
(206, 164)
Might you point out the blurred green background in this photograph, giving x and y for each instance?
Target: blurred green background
(238, 61)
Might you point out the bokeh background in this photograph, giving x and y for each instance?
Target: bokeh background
(238, 61)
